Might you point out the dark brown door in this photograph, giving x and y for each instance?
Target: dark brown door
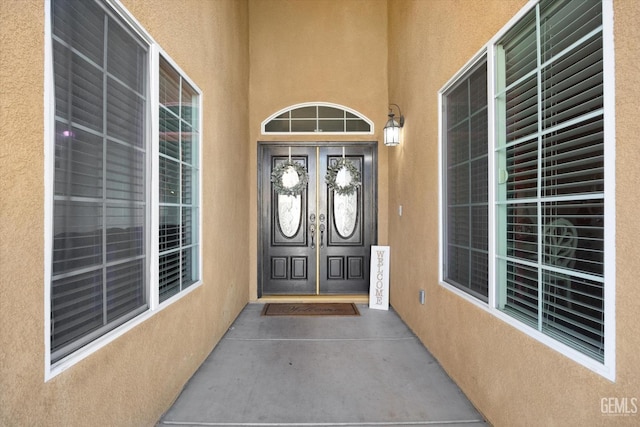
(317, 242)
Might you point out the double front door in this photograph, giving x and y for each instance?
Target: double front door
(318, 240)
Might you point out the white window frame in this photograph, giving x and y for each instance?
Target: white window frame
(463, 75)
(318, 104)
(155, 178)
(52, 370)
(607, 369)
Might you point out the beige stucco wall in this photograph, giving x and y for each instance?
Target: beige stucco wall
(317, 51)
(511, 378)
(133, 380)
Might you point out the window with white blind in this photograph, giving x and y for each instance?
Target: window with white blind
(466, 256)
(550, 206)
(99, 263)
(550, 129)
(102, 214)
(179, 138)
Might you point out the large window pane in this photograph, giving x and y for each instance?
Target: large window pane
(169, 133)
(551, 197)
(169, 275)
(80, 24)
(78, 162)
(76, 309)
(169, 180)
(79, 88)
(125, 172)
(99, 276)
(466, 184)
(77, 240)
(178, 175)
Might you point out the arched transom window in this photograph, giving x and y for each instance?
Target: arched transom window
(317, 118)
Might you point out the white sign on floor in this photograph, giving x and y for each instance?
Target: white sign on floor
(379, 278)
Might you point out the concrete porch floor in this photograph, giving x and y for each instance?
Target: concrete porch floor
(367, 370)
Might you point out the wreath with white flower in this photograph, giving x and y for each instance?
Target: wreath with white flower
(289, 178)
(337, 179)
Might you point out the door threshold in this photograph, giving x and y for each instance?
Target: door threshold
(356, 298)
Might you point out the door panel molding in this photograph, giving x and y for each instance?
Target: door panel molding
(317, 259)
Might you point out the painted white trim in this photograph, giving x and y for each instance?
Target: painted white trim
(480, 56)
(609, 87)
(128, 18)
(200, 186)
(156, 168)
(608, 368)
(49, 159)
(475, 60)
(318, 104)
(153, 176)
(513, 21)
(52, 370)
(492, 297)
(441, 170)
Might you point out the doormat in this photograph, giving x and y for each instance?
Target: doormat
(310, 309)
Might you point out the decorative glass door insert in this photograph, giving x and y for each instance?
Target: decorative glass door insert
(316, 239)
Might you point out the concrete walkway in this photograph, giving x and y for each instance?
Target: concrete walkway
(368, 370)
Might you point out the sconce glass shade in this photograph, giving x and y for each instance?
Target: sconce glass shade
(391, 132)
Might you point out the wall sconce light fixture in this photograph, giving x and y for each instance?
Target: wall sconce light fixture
(392, 128)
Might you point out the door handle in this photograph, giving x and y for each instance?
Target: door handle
(321, 218)
(312, 229)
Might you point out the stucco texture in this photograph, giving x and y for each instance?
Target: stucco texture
(317, 51)
(134, 379)
(252, 58)
(511, 378)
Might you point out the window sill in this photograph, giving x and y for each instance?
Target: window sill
(52, 370)
(604, 370)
